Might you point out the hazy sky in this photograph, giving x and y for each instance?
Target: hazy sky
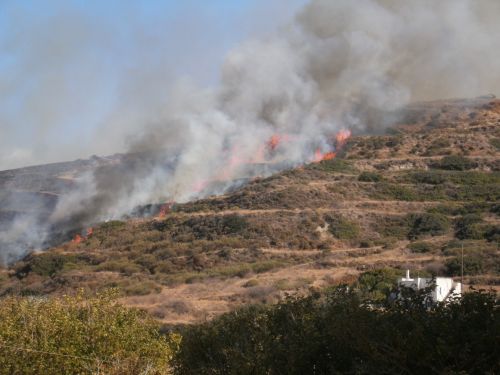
(73, 73)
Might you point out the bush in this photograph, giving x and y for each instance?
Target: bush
(377, 284)
(234, 223)
(369, 177)
(455, 163)
(44, 264)
(333, 165)
(341, 228)
(427, 224)
(77, 335)
(473, 265)
(342, 333)
(469, 227)
(495, 142)
(420, 247)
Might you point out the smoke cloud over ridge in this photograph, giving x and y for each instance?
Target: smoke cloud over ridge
(336, 61)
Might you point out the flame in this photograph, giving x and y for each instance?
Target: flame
(273, 142)
(267, 152)
(165, 209)
(341, 139)
(77, 239)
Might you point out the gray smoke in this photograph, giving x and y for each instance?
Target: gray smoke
(329, 69)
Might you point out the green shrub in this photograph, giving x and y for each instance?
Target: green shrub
(469, 227)
(333, 165)
(420, 247)
(234, 223)
(342, 228)
(77, 335)
(427, 224)
(343, 333)
(495, 142)
(473, 265)
(394, 191)
(44, 264)
(377, 284)
(492, 233)
(370, 177)
(455, 163)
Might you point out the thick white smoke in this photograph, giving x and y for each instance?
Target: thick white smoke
(336, 61)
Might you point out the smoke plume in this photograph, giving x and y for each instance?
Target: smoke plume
(335, 63)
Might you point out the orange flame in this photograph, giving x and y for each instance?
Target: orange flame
(340, 140)
(165, 209)
(77, 239)
(274, 142)
(342, 137)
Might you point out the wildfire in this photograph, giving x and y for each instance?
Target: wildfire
(266, 153)
(342, 137)
(79, 238)
(164, 210)
(340, 140)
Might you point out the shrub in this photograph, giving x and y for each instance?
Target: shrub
(427, 224)
(342, 333)
(420, 247)
(341, 228)
(469, 227)
(455, 163)
(377, 284)
(473, 265)
(251, 283)
(492, 233)
(44, 264)
(77, 335)
(333, 165)
(234, 223)
(370, 177)
(394, 191)
(495, 142)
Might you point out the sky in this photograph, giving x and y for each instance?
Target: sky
(75, 75)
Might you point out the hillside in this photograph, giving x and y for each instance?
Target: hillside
(410, 198)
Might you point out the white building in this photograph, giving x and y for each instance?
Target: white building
(443, 287)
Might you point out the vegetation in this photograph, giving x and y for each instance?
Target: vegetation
(342, 228)
(455, 163)
(77, 335)
(420, 247)
(342, 333)
(369, 177)
(427, 224)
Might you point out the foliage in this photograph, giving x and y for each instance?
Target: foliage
(420, 247)
(342, 228)
(469, 227)
(377, 284)
(427, 224)
(333, 165)
(45, 264)
(341, 333)
(77, 335)
(370, 177)
(473, 265)
(495, 142)
(455, 163)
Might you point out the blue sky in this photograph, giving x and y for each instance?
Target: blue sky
(66, 66)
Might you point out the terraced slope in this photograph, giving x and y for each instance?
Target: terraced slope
(411, 198)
